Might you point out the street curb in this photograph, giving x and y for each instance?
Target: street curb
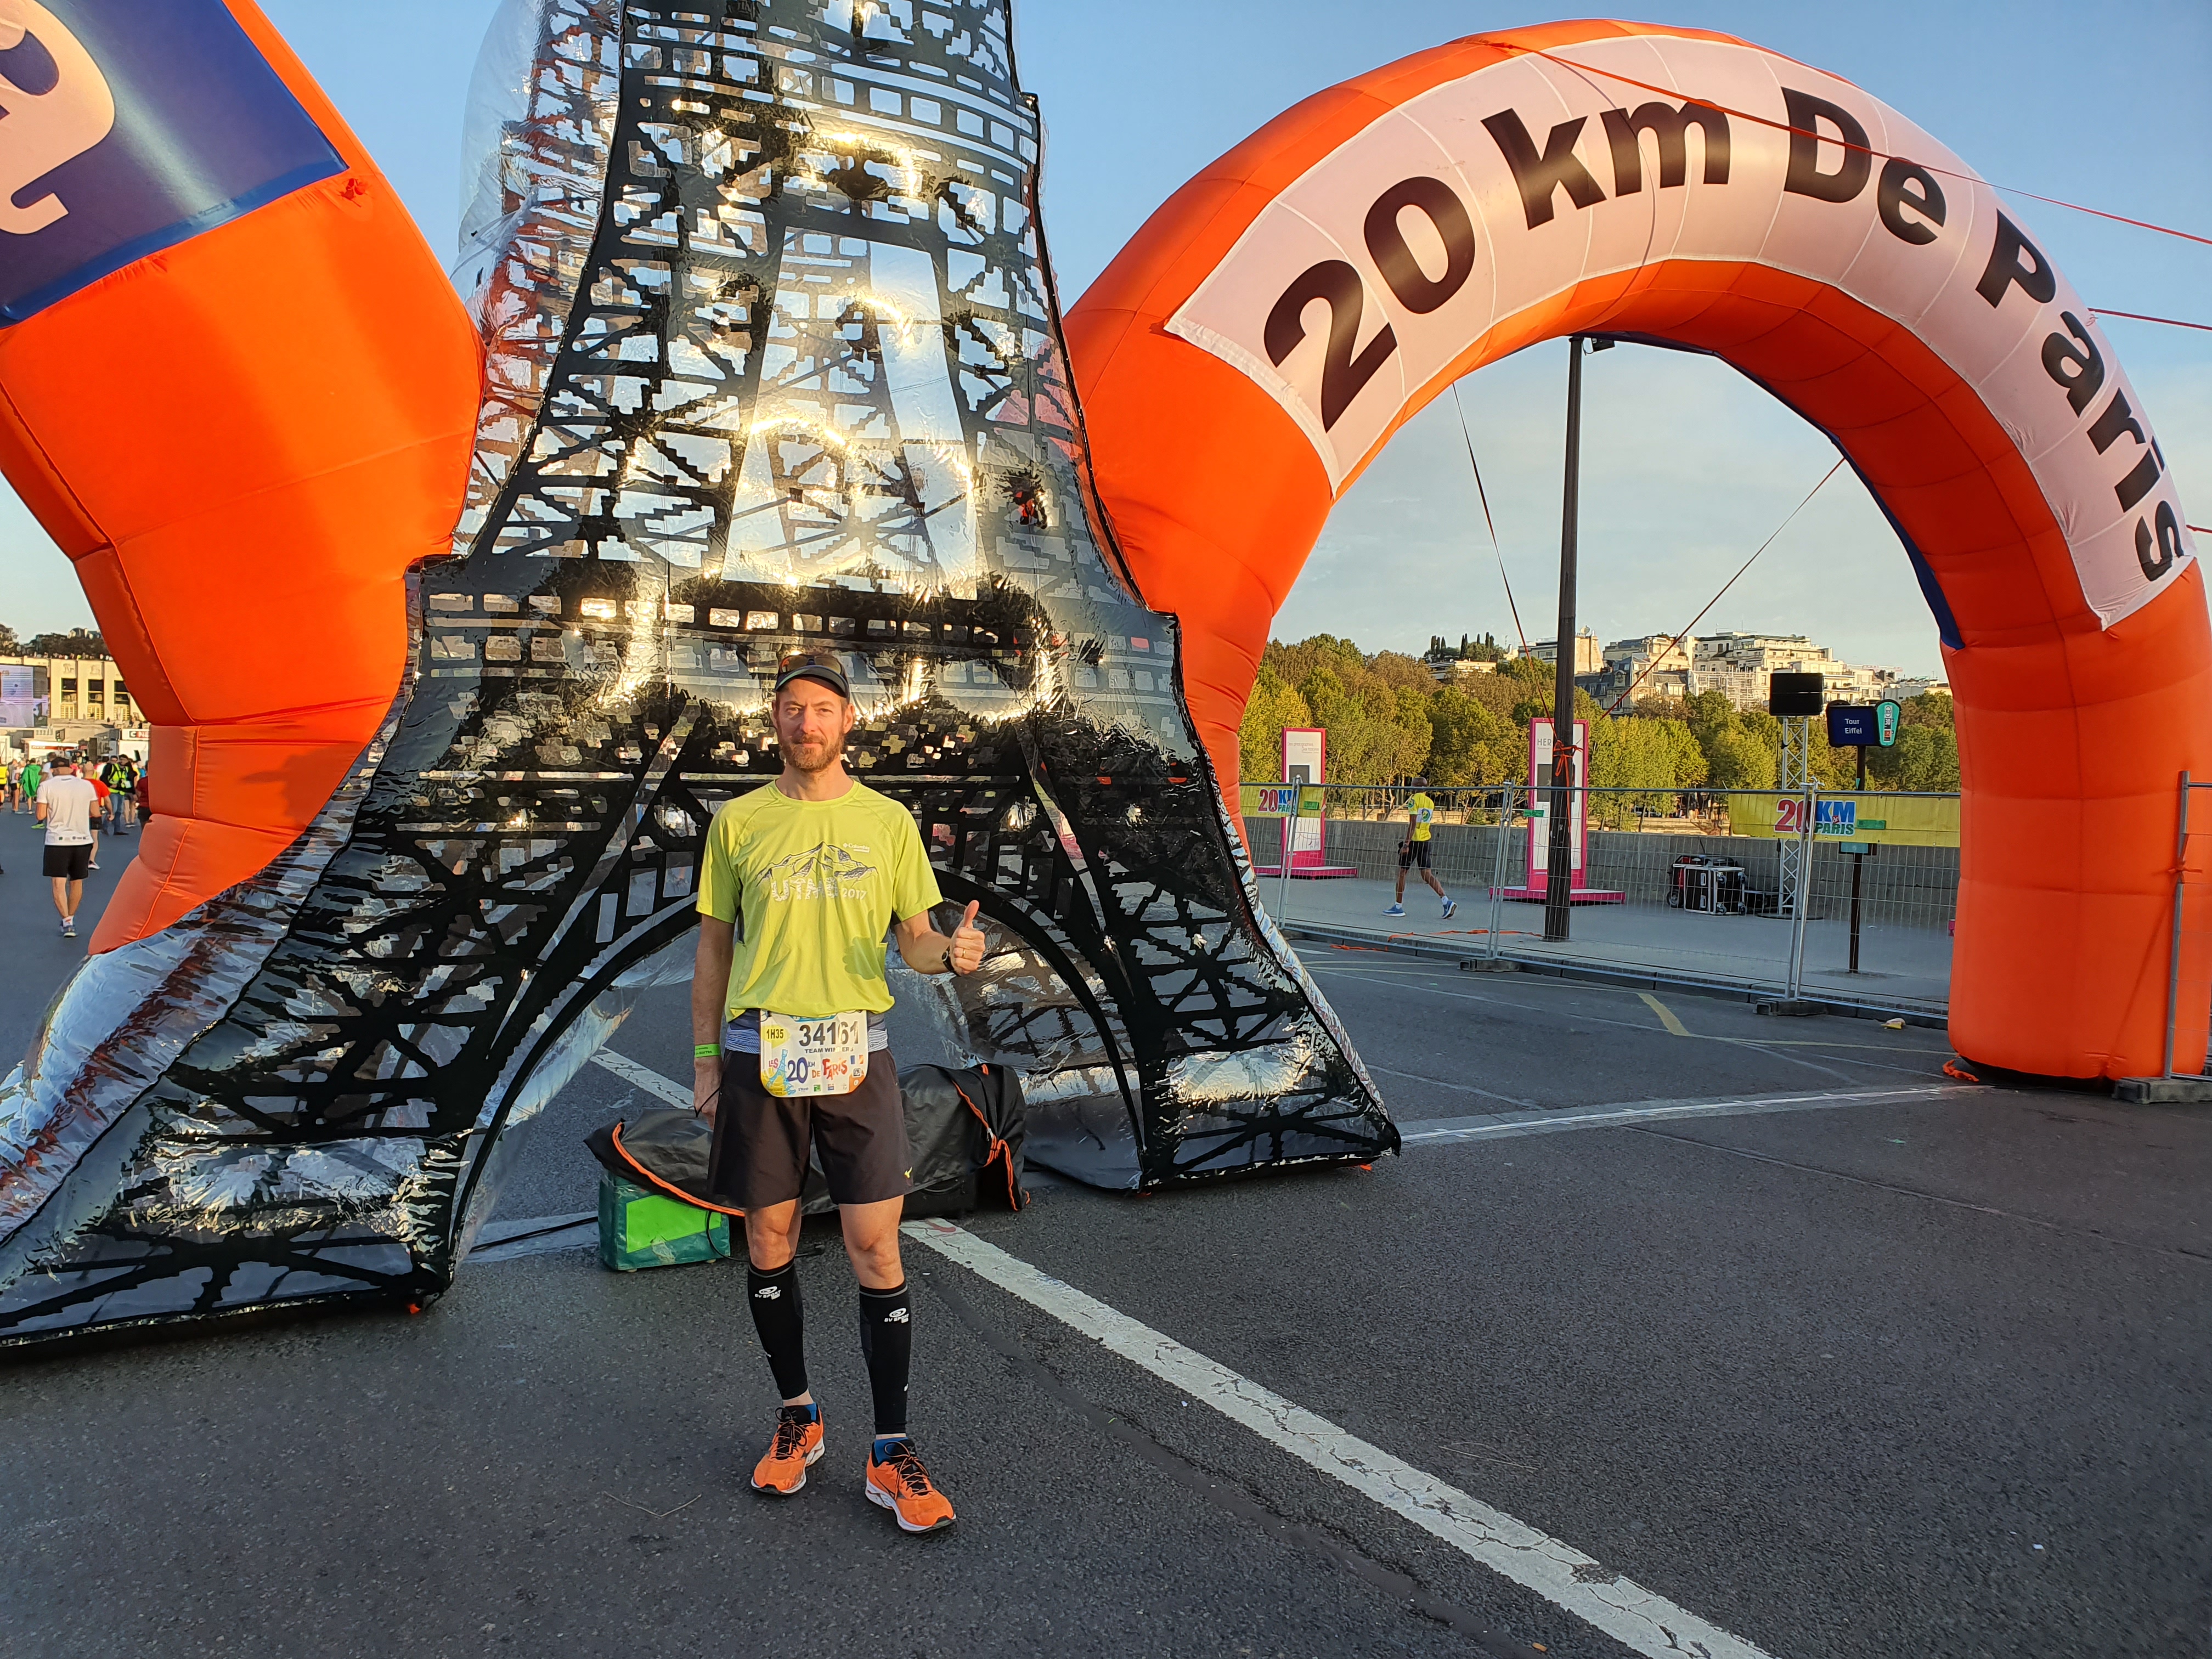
(2164, 1091)
(1629, 978)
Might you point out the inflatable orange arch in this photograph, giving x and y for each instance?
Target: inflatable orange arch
(1255, 346)
(253, 416)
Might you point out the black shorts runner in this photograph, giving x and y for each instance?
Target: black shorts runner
(1411, 852)
(759, 1155)
(69, 863)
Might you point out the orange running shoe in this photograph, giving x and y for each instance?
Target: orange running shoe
(898, 1482)
(798, 1444)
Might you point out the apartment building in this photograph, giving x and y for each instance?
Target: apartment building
(1649, 665)
(71, 691)
(1739, 666)
(1457, 670)
(1590, 655)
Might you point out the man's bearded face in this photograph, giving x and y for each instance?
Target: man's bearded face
(811, 722)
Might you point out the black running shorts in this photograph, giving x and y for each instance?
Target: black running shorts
(1412, 852)
(70, 863)
(759, 1155)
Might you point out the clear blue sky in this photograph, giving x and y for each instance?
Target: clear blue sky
(2106, 104)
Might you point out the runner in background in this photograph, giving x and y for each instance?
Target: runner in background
(34, 774)
(142, 795)
(101, 807)
(1413, 851)
(11, 776)
(69, 807)
(789, 1050)
(115, 773)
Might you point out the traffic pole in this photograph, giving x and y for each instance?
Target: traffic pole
(1558, 876)
(1857, 864)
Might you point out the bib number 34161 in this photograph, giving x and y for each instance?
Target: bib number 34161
(813, 1056)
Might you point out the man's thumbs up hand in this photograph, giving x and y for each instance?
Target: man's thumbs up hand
(966, 955)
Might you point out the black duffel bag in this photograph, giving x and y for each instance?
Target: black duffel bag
(966, 1128)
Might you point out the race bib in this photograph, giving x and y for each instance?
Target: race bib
(813, 1056)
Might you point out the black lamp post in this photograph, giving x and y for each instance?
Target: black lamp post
(1559, 875)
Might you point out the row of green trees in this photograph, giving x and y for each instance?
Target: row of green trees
(77, 642)
(1388, 719)
(1469, 649)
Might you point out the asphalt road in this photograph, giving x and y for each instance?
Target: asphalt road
(34, 958)
(1914, 1373)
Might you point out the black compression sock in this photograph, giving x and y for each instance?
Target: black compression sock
(887, 1342)
(774, 1298)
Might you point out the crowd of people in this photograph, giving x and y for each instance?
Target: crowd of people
(73, 797)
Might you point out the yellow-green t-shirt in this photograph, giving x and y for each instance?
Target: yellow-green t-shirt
(817, 884)
(1422, 808)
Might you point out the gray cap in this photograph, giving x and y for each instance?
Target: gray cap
(818, 665)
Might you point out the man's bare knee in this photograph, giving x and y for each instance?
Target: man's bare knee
(772, 1237)
(872, 1241)
(877, 1264)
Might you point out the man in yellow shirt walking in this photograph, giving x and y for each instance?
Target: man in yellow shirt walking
(1413, 851)
(789, 1049)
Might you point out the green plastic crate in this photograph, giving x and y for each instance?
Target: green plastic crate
(641, 1228)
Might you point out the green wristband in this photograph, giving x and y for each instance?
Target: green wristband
(705, 1051)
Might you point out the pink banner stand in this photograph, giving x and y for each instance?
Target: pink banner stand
(1305, 761)
(1579, 891)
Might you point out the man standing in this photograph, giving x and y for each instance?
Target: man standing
(116, 775)
(67, 806)
(789, 1048)
(33, 775)
(1413, 851)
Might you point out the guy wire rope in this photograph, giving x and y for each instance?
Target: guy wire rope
(1483, 496)
(1730, 582)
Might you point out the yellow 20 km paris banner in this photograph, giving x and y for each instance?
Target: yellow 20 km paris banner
(1889, 820)
(1281, 801)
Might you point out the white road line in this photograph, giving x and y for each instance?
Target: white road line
(506, 1232)
(644, 1077)
(499, 1242)
(1645, 1622)
(510, 1241)
(1458, 1088)
(1416, 1136)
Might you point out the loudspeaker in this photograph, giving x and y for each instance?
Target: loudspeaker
(1795, 693)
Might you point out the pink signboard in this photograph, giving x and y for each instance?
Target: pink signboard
(1539, 804)
(1539, 822)
(1305, 761)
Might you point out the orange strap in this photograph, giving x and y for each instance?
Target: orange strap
(656, 1182)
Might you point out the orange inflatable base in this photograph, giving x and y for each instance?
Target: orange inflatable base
(181, 862)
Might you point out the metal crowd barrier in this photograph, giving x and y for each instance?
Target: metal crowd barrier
(1760, 890)
(2188, 991)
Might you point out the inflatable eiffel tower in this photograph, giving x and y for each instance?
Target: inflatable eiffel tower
(774, 363)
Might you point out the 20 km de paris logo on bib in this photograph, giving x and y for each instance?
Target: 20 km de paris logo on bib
(813, 1056)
